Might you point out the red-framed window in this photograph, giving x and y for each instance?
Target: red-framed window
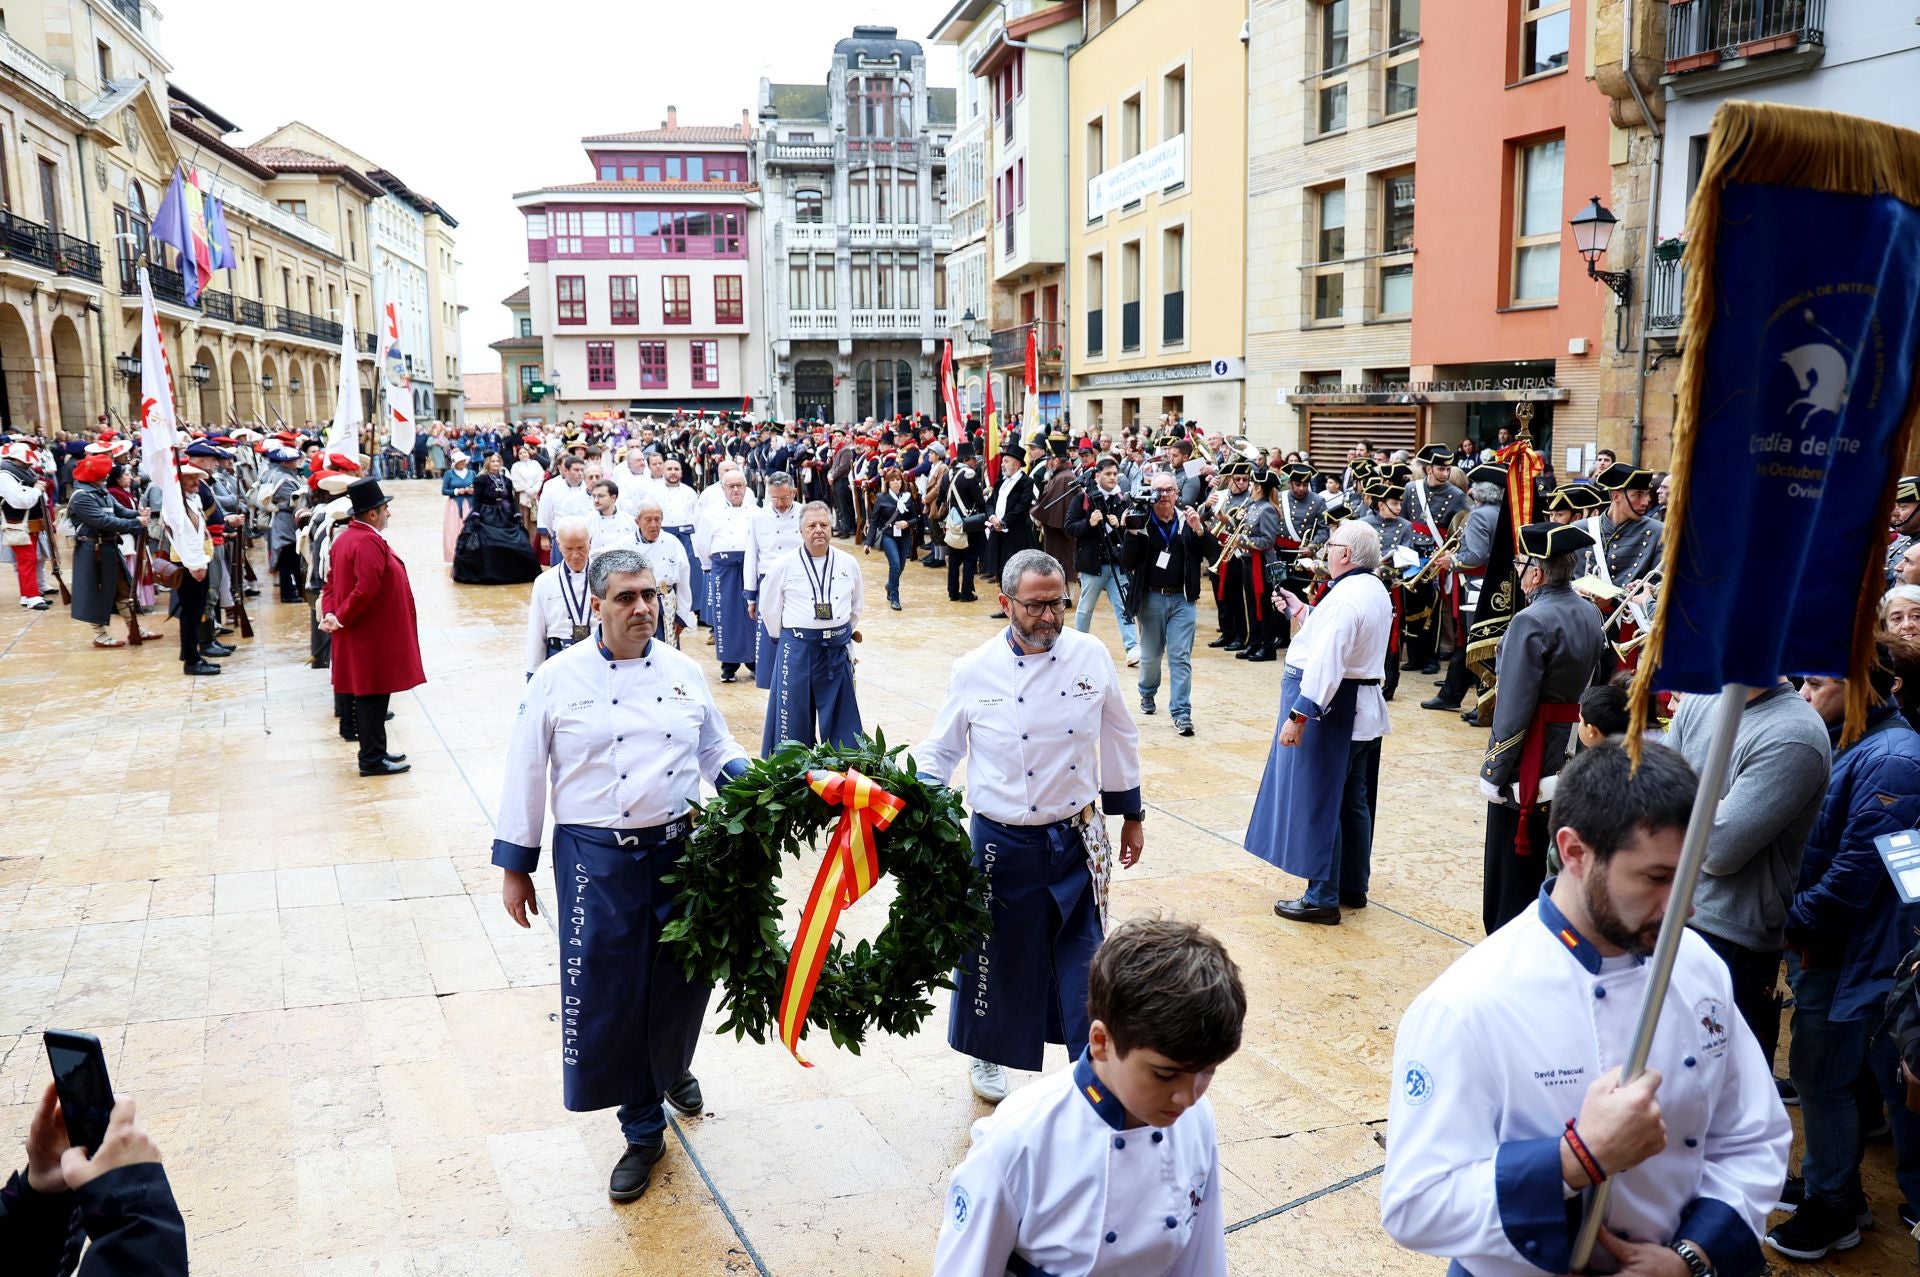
(729, 306)
(653, 365)
(623, 298)
(676, 299)
(706, 364)
(600, 365)
(570, 292)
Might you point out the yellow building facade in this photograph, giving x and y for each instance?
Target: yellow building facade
(1158, 172)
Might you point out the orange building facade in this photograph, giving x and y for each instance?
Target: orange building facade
(1513, 141)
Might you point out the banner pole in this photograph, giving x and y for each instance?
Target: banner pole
(1693, 852)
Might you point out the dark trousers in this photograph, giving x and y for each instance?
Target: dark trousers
(1454, 690)
(370, 722)
(960, 568)
(843, 508)
(1512, 880)
(287, 564)
(190, 603)
(1390, 678)
(1756, 988)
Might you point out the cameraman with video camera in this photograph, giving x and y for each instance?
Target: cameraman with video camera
(1163, 551)
(1095, 520)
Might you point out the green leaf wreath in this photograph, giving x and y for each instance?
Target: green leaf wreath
(727, 928)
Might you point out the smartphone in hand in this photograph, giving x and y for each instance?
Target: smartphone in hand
(80, 1080)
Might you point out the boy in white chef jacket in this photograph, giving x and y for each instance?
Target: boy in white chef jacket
(1111, 1166)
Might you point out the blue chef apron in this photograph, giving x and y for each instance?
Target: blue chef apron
(1296, 819)
(733, 632)
(811, 675)
(696, 578)
(628, 1018)
(764, 648)
(1026, 985)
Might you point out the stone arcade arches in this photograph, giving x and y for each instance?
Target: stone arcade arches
(75, 393)
(19, 396)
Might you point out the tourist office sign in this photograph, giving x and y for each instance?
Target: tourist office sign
(1156, 170)
(1464, 390)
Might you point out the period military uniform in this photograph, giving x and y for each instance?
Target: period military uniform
(1266, 625)
(1396, 533)
(1462, 589)
(1548, 657)
(1622, 552)
(1898, 540)
(1430, 508)
(1230, 578)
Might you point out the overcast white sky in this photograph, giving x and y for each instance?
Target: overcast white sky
(470, 103)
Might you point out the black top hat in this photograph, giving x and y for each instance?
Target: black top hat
(366, 495)
(1550, 540)
(1621, 477)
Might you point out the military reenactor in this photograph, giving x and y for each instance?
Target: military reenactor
(1303, 513)
(1627, 543)
(1431, 505)
(1261, 535)
(1467, 564)
(1902, 524)
(1396, 533)
(1550, 654)
(1233, 607)
(1572, 502)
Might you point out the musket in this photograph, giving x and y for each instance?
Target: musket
(53, 549)
(134, 637)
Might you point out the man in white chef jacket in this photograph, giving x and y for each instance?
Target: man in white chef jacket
(560, 610)
(810, 603)
(625, 728)
(670, 570)
(1038, 714)
(776, 534)
(723, 530)
(636, 477)
(563, 495)
(1506, 1069)
(677, 504)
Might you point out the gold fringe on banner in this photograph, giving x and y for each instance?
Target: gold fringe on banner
(1754, 143)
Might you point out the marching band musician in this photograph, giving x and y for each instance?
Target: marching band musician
(1484, 1166)
(1550, 654)
(617, 735)
(721, 541)
(809, 605)
(1568, 502)
(1232, 598)
(1395, 534)
(1431, 505)
(1630, 540)
(775, 535)
(671, 572)
(1267, 628)
(1488, 487)
(560, 610)
(1038, 713)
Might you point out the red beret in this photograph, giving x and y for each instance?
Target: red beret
(94, 468)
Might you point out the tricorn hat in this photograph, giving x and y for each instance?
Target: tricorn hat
(1548, 540)
(1621, 477)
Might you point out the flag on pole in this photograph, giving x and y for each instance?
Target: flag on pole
(1796, 402)
(956, 430)
(1034, 429)
(1500, 596)
(399, 397)
(181, 224)
(343, 435)
(992, 458)
(219, 240)
(159, 427)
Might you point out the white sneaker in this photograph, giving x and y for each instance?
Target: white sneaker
(36, 603)
(989, 1081)
(1133, 656)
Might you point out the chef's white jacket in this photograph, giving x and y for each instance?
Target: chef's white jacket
(676, 502)
(560, 600)
(1345, 636)
(721, 529)
(787, 592)
(775, 534)
(1042, 734)
(624, 745)
(1495, 1056)
(1057, 1182)
(558, 501)
(671, 573)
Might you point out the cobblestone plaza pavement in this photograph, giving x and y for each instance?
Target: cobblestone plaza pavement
(349, 1055)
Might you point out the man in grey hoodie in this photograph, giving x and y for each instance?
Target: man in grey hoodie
(1775, 784)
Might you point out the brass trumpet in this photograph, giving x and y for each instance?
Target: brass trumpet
(1430, 569)
(1649, 586)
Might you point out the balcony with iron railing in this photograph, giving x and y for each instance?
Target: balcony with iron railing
(1096, 332)
(1666, 292)
(167, 284)
(72, 256)
(1702, 34)
(25, 241)
(301, 324)
(369, 345)
(217, 306)
(250, 312)
(1010, 344)
(1173, 318)
(1129, 326)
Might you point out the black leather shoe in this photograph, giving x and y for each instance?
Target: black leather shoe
(1233, 646)
(634, 1171)
(217, 649)
(685, 1096)
(395, 758)
(998, 616)
(1263, 654)
(1471, 717)
(1301, 911)
(1222, 641)
(350, 736)
(1243, 653)
(1440, 702)
(201, 667)
(384, 768)
(1351, 900)
(1431, 667)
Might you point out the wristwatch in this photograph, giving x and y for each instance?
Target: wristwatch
(1137, 817)
(1298, 717)
(1697, 1265)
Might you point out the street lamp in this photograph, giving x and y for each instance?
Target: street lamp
(293, 384)
(127, 366)
(266, 381)
(200, 373)
(1592, 232)
(977, 333)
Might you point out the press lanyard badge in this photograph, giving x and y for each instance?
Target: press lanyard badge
(820, 585)
(1166, 555)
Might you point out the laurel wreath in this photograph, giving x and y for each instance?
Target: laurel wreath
(726, 931)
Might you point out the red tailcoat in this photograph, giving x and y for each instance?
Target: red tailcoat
(377, 648)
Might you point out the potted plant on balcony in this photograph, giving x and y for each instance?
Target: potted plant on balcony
(1051, 354)
(1670, 249)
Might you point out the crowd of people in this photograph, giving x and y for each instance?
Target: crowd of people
(646, 541)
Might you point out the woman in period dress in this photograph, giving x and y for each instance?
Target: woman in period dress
(457, 486)
(493, 548)
(437, 453)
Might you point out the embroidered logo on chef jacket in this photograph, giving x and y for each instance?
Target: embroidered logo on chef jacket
(1083, 688)
(988, 701)
(574, 707)
(1197, 1190)
(679, 691)
(962, 1209)
(1417, 1086)
(1713, 1026)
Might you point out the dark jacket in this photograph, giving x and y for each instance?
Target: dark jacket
(99, 522)
(1143, 547)
(888, 509)
(1846, 913)
(1550, 654)
(128, 1213)
(1096, 546)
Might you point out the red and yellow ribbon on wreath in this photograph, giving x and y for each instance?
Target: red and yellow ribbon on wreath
(848, 871)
